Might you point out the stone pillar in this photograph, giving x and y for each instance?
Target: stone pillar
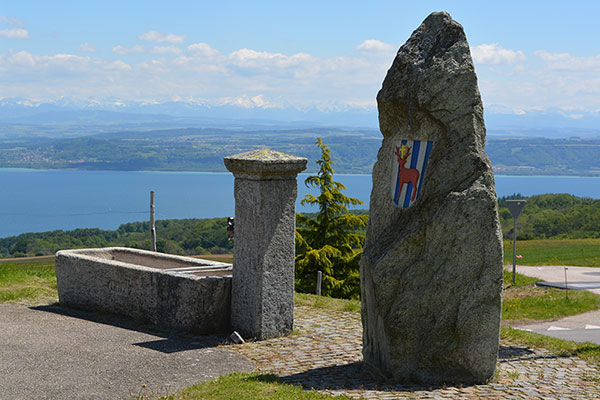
(265, 190)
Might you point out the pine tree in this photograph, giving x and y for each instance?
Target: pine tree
(331, 242)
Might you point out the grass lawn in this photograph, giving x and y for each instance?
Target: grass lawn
(247, 387)
(524, 301)
(575, 252)
(31, 282)
(27, 260)
(329, 303)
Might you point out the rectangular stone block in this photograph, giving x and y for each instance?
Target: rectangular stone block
(263, 288)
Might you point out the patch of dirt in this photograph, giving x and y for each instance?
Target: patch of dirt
(523, 291)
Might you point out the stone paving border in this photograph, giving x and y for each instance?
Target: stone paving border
(325, 353)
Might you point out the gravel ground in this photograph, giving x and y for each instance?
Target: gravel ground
(325, 354)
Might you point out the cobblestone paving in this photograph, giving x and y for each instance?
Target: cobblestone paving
(324, 353)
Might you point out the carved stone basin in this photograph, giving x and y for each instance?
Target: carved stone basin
(172, 291)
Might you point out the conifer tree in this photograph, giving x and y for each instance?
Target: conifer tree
(330, 242)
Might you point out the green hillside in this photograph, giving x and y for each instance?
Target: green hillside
(553, 216)
(203, 149)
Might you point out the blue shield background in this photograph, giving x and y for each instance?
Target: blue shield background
(420, 152)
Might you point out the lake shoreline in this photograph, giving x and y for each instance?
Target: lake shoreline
(58, 199)
(19, 169)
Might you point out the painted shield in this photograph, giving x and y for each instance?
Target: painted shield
(410, 163)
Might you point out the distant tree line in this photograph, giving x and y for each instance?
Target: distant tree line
(553, 216)
(548, 216)
(181, 236)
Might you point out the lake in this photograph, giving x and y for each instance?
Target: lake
(44, 200)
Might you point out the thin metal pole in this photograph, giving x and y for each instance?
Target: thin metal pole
(152, 225)
(319, 278)
(514, 249)
(566, 284)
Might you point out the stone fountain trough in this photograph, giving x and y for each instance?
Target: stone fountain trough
(172, 291)
(197, 295)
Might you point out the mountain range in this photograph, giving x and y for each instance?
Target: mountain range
(109, 114)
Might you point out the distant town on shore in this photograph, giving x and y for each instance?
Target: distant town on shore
(203, 149)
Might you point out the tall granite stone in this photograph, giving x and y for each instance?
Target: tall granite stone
(431, 270)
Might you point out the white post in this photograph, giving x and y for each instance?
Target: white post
(152, 225)
(319, 278)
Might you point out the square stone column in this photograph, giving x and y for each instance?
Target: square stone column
(265, 190)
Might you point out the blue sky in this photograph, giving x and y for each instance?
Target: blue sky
(529, 55)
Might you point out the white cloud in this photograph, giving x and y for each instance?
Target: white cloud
(24, 63)
(12, 21)
(247, 57)
(14, 33)
(166, 50)
(139, 49)
(159, 37)
(374, 45)
(203, 50)
(251, 61)
(568, 62)
(86, 48)
(495, 54)
(547, 56)
(22, 58)
(119, 66)
(558, 81)
(245, 76)
(254, 78)
(16, 28)
(122, 50)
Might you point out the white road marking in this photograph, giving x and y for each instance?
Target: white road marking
(592, 327)
(558, 328)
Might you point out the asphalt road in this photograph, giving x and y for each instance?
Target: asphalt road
(580, 328)
(48, 352)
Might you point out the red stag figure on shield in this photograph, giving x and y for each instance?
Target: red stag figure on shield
(406, 175)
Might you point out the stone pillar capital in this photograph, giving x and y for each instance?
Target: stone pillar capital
(265, 164)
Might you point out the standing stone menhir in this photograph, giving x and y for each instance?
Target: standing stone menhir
(431, 270)
(262, 292)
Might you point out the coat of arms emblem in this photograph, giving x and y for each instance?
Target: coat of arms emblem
(410, 163)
